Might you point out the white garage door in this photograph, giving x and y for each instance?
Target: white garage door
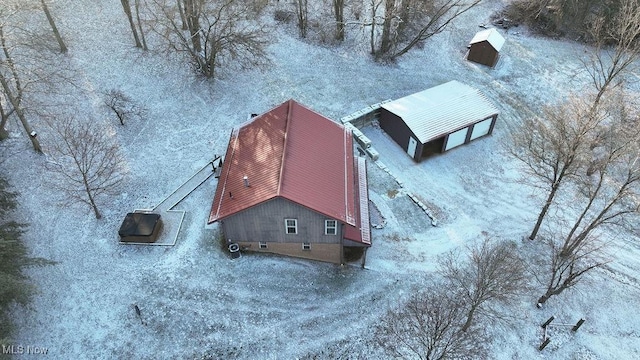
(481, 128)
(456, 139)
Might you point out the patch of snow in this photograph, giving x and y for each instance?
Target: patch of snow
(198, 302)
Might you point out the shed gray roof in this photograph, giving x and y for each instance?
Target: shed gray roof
(490, 35)
(442, 109)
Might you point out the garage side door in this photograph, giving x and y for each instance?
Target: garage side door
(456, 139)
(481, 128)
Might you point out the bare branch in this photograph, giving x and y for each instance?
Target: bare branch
(428, 326)
(489, 273)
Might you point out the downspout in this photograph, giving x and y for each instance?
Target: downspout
(341, 243)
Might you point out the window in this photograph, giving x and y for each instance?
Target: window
(291, 226)
(330, 227)
(263, 245)
(306, 246)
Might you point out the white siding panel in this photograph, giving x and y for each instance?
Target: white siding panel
(456, 138)
(481, 129)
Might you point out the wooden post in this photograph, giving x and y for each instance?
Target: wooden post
(139, 314)
(546, 323)
(364, 257)
(577, 326)
(544, 344)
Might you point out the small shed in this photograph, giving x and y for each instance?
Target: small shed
(485, 47)
(140, 227)
(438, 119)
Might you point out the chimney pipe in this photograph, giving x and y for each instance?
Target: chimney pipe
(246, 181)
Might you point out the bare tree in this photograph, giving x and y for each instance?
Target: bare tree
(608, 195)
(428, 327)
(181, 11)
(389, 22)
(563, 270)
(221, 33)
(609, 63)
(126, 6)
(489, 273)
(374, 6)
(86, 162)
(29, 68)
(554, 148)
(439, 17)
(139, 21)
(12, 90)
(122, 106)
(12, 96)
(192, 12)
(302, 12)
(54, 28)
(406, 23)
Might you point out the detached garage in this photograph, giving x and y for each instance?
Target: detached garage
(438, 119)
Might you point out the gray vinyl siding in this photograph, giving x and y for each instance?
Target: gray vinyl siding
(265, 222)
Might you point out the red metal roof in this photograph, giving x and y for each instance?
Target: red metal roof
(292, 152)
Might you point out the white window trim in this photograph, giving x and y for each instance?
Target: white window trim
(306, 246)
(327, 227)
(262, 245)
(295, 226)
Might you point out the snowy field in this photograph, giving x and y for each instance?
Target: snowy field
(199, 303)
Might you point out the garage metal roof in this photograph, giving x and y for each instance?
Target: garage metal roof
(492, 36)
(442, 109)
(297, 154)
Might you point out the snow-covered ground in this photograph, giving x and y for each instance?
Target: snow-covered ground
(196, 301)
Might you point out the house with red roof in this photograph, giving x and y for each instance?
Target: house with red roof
(290, 184)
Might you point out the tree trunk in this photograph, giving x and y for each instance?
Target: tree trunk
(144, 41)
(192, 14)
(302, 17)
(372, 39)
(549, 293)
(127, 10)
(338, 8)
(182, 17)
(3, 122)
(467, 324)
(408, 47)
(3, 132)
(16, 106)
(56, 33)
(386, 42)
(94, 206)
(405, 6)
(95, 210)
(544, 210)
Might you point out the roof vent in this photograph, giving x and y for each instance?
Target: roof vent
(246, 181)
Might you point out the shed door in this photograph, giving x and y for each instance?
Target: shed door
(411, 149)
(456, 139)
(481, 129)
